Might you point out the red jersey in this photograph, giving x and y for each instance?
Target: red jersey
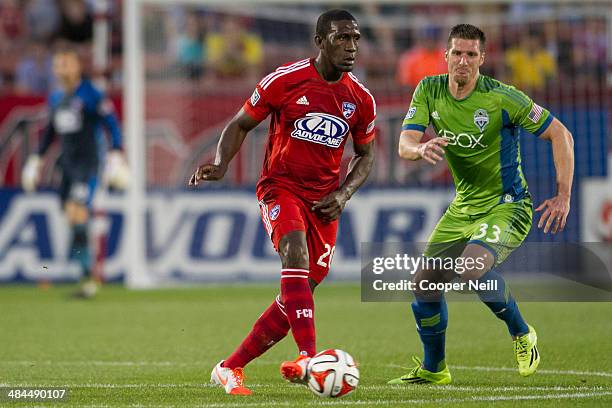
(311, 120)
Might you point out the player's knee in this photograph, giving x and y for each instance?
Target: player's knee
(293, 250)
(477, 260)
(76, 212)
(474, 273)
(422, 289)
(295, 256)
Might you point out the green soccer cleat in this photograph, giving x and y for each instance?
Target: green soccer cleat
(419, 375)
(526, 351)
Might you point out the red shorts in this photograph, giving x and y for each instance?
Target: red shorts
(283, 212)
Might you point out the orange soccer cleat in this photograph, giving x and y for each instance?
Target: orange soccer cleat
(295, 371)
(231, 380)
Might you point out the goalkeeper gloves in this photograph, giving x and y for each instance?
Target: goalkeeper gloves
(116, 172)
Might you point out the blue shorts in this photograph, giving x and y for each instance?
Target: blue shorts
(78, 186)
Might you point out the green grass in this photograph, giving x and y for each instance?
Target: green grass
(156, 348)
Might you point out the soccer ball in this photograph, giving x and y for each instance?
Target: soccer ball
(332, 373)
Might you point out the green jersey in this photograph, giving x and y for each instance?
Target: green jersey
(482, 131)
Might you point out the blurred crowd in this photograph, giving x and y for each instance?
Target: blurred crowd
(529, 45)
(201, 45)
(30, 30)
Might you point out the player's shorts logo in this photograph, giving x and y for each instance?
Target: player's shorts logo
(321, 128)
(481, 119)
(79, 192)
(348, 109)
(274, 212)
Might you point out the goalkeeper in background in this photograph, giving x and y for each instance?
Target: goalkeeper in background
(477, 120)
(76, 111)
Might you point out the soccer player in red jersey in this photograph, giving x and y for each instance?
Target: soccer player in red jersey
(315, 104)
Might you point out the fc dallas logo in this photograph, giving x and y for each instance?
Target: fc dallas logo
(348, 109)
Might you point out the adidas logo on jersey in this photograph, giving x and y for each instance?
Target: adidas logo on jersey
(435, 115)
(302, 101)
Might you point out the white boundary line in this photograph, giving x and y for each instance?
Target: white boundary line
(581, 393)
(102, 385)
(323, 403)
(464, 388)
(512, 369)
(543, 371)
(413, 401)
(264, 362)
(444, 388)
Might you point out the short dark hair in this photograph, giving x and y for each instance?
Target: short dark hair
(325, 19)
(467, 32)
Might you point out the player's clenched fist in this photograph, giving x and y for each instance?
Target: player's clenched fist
(330, 207)
(432, 150)
(207, 172)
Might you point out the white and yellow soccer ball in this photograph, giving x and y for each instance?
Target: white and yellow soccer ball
(332, 373)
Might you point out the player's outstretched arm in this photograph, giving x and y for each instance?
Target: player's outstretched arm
(231, 139)
(411, 148)
(330, 207)
(556, 209)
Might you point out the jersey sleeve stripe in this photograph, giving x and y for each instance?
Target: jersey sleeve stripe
(282, 74)
(354, 78)
(519, 98)
(278, 73)
(513, 96)
(413, 126)
(281, 69)
(269, 77)
(545, 125)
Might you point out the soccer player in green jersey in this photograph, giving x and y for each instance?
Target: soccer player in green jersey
(477, 119)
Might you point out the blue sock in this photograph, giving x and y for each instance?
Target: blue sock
(79, 247)
(432, 319)
(501, 302)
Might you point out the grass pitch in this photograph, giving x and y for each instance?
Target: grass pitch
(156, 349)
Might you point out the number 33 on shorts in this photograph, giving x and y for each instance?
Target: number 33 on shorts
(490, 233)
